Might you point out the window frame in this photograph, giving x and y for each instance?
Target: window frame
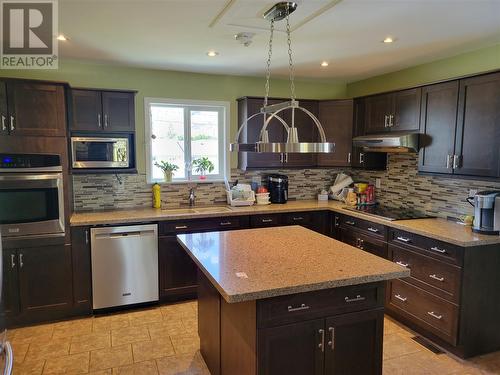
(187, 103)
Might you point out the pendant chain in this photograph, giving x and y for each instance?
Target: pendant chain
(268, 69)
(290, 61)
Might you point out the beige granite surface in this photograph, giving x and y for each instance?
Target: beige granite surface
(439, 229)
(253, 264)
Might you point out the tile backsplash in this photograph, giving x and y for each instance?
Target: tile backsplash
(401, 186)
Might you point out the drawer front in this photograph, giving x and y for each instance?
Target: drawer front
(440, 278)
(298, 218)
(272, 220)
(311, 305)
(364, 242)
(372, 229)
(428, 311)
(199, 225)
(433, 248)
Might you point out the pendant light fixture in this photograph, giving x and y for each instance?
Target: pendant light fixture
(278, 12)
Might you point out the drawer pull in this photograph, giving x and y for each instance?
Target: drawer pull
(401, 298)
(435, 277)
(267, 220)
(374, 230)
(298, 218)
(434, 315)
(403, 264)
(224, 223)
(357, 299)
(404, 239)
(350, 223)
(181, 227)
(300, 308)
(437, 249)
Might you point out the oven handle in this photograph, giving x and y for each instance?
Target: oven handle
(30, 177)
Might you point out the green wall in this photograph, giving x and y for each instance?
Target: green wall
(178, 85)
(478, 61)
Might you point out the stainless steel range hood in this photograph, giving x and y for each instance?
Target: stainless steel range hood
(402, 142)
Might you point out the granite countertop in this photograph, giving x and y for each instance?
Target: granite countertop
(439, 229)
(253, 264)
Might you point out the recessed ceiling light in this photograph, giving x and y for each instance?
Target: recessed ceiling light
(388, 39)
(324, 63)
(212, 53)
(62, 37)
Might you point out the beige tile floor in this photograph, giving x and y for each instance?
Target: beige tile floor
(163, 341)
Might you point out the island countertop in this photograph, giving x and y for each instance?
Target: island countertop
(253, 264)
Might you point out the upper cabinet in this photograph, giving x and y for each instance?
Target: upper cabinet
(32, 108)
(96, 110)
(336, 116)
(397, 111)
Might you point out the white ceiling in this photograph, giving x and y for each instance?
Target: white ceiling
(176, 34)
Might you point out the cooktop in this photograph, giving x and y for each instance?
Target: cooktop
(389, 213)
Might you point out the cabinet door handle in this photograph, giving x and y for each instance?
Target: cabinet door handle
(299, 218)
(302, 307)
(448, 161)
(385, 122)
(181, 227)
(404, 239)
(12, 261)
(401, 298)
(336, 221)
(106, 121)
(436, 277)
(349, 157)
(331, 343)
(12, 127)
(21, 263)
(356, 299)
(434, 315)
(99, 123)
(374, 230)
(321, 344)
(225, 223)
(267, 220)
(350, 223)
(361, 158)
(402, 264)
(359, 243)
(286, 158)
(437, 249)
(456, 161)
(4, 127)
(391, 122)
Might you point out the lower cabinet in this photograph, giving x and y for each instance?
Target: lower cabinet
(364, 242)
(38, 283)
(324, 346)
(82, 269)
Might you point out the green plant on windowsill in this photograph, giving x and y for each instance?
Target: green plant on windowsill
(167, 168)
(202, 165)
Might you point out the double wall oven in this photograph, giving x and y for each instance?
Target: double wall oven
(31, 196)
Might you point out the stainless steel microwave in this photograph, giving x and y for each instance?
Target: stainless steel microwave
(100, 152)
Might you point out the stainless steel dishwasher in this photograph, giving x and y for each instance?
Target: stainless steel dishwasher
(124, 265)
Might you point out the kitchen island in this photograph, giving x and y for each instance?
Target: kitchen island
(287, 300)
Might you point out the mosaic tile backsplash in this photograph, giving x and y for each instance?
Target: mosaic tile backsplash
(401, 187)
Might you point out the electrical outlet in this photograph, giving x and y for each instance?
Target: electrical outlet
(378, 183)
(472, 192)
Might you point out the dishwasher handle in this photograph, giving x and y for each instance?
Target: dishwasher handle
(126, 231)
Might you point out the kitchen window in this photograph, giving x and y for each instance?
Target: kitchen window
(181, 131)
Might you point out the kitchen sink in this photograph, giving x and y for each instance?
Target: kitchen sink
(212, 209)
(179, 211)
(197, 210)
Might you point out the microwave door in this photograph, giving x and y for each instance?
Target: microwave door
(93, 152)
(6, 353)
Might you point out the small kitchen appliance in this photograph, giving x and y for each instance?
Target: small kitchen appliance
(486, 212)
(100, 152)
(277, 185)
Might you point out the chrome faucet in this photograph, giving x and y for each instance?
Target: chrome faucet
(192, 197)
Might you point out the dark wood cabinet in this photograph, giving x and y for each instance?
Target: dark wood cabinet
(82, 271)
(178, 272)
(35, 108)
(10, 289)
(364, 242)
(294, 349)
(351, 337)
(102, 110)
(438, 127)
(478, 129)
(336, 116)
(395, 111)
(4, 111)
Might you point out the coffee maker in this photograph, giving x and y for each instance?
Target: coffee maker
(486, 212)
(278, 188)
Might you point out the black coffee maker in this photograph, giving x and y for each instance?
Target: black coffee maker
(278, 188)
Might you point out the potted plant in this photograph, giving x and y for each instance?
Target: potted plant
(167, 168)
(202, 165)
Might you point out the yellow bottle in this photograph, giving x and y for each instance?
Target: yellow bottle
(156, 196)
